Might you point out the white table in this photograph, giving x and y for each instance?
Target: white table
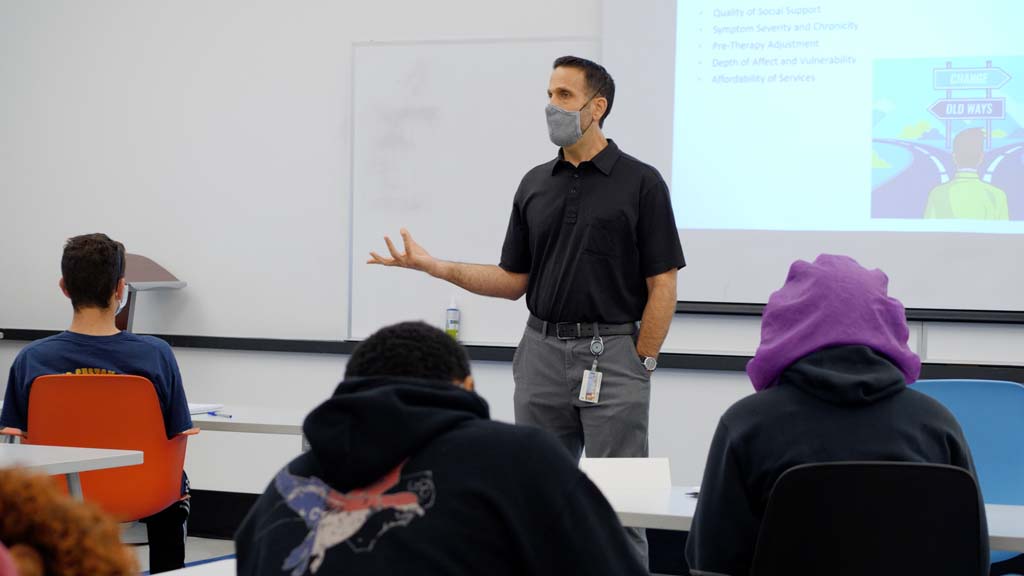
(1005, 527)
(674, 511)
(255, 420)
(218, 568)
(666, 511)
(54, 460)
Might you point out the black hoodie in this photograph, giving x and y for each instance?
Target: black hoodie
(839, 404)
(411, 477)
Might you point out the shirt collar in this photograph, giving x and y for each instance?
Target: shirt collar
(967, 174)
(604, 161)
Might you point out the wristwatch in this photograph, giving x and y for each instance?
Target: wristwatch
(650, 363)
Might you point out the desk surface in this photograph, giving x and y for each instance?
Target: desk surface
(254, 419)
(666, 511)
(65, 460)
(1005, 527)
(218, 568)
(674, 511)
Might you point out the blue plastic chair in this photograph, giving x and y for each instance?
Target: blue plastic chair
(991, 413)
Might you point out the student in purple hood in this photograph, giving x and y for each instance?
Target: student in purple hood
(831, 377)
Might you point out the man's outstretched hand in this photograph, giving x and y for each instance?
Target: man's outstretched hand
(414, 257)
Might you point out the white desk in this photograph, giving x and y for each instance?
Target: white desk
(674, 511)
(1005, 527)
(55, 460)
(667, 511)
(218, 568)
(254, 419)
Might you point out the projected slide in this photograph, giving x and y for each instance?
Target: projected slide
(842, 116)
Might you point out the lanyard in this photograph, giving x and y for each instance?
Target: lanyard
(596, 347)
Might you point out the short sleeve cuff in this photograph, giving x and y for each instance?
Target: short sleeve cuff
(512, 268)
(662, 266)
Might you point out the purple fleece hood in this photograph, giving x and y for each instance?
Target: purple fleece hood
(833, 301)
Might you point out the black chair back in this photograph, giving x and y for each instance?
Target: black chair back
(873, 519)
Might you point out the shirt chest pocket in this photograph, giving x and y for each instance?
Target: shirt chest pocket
(607, 237)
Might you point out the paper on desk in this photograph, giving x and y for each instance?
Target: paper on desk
(203, 408)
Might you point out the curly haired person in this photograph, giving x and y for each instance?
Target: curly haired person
(46, 532)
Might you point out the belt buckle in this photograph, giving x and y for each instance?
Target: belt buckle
(577, 333)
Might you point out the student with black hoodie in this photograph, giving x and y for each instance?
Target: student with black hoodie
(406, 474)
(831, 377)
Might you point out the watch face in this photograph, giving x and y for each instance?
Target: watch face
(650, 363)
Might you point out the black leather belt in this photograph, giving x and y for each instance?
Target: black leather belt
(574, 330)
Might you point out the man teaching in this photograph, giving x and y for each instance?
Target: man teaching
(592, 243)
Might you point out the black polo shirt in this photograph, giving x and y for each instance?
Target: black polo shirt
(590, 236)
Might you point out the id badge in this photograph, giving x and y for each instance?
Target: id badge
(590, 390)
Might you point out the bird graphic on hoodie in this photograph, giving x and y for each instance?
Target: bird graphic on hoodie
(357, 518)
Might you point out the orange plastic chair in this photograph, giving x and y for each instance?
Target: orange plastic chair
(117, 412)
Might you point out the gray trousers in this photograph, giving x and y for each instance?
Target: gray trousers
(548, 373)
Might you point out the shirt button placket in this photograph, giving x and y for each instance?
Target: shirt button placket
(572, 211)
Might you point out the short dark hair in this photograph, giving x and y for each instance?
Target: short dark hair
(92, 265)
(409, 350)
(599, 81)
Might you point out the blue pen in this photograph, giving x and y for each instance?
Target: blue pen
(221, 414)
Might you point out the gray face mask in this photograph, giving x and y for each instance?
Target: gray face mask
(564, 125)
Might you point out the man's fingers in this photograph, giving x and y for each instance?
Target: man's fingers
(397, 258)
(378, 259)
(391, 248)
(407, 240)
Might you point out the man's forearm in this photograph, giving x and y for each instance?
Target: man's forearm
(661, 307)
(483, 279)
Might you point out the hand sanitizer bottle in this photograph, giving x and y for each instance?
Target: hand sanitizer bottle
(452, 318)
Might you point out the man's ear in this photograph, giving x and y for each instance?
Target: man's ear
(467, 384)
(598, 107)
(63, 288)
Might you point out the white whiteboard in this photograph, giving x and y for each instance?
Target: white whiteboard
(206, 147)
(442, 134)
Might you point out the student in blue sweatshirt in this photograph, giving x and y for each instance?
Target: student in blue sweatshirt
(92, 277)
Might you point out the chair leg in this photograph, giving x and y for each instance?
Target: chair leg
(74, 485)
